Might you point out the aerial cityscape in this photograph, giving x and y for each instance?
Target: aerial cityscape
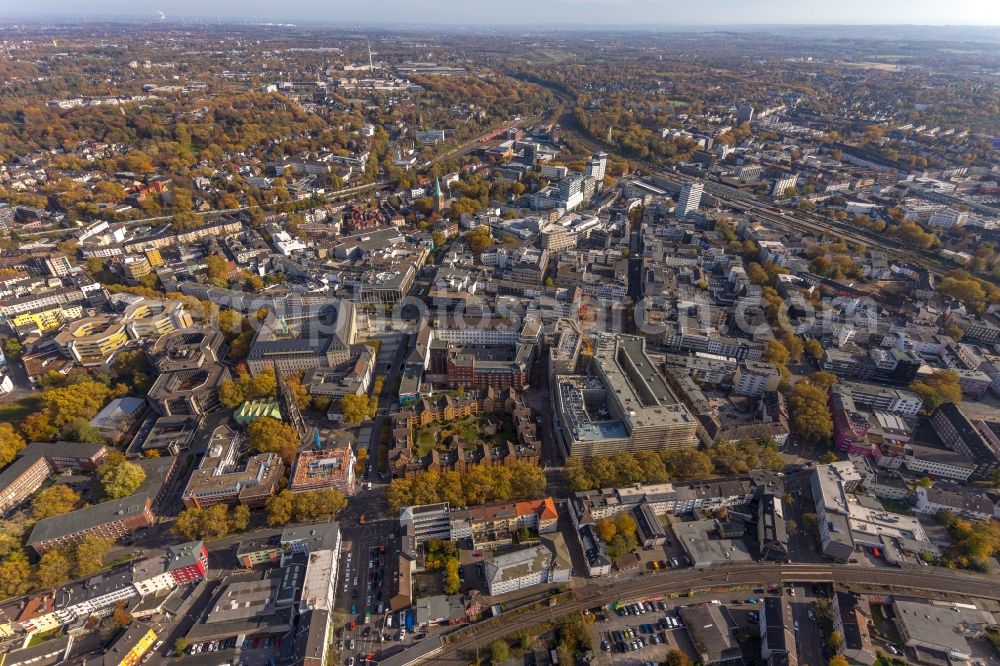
(606, 332)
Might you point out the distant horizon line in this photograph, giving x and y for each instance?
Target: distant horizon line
(271, 21)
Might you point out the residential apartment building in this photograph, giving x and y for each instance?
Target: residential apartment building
(112, 520)
(590, 506)
(427, 522)
(898, 401)
(182, 564)
(497, 524)
(963, 503)
(851, 616)
(937, 462)
(958, 433)
(847, 520)
(47, 317)
(772, 535)
(595, 550)
(37, 461)
(535, 565)
(777, 634)
(753, 378)
(711, 635)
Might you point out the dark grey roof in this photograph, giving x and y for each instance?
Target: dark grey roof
(87, 517)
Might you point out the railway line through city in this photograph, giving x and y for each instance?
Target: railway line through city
(459, 643)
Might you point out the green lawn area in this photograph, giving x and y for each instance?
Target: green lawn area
(14, 412)
(425, 442)
(42, 636)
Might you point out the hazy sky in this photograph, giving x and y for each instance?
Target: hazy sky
(528, 12)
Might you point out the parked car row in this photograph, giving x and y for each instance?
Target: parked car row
(214, 646)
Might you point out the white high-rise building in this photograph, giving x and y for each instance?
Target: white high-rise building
(597, 165)
(948, 218)
(782, 184)
(690, 198)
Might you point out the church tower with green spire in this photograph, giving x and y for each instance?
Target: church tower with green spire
(438, 196)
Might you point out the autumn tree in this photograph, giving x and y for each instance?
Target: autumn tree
(313, 504)
(245, 386)
(54, 501)
(299, 392)
(776, 353)
(37, 427)
(268, 435)
(197, 523)
(479, 239)
(756, 274)
(938, 388)
(280, 508)
(499, 650)
(120, 616)
(217, 269)
(822, 379)
(452, 580)
(677, 658)
(793, 345)
(11, 443)
(625, 524)
(15, 574)
(477, 485)
(66, 404)
(54, 569)
(810, 414)
(89, 554)
(688, 465)
(120, 478)
(607, 528)
(240, 520)
(354, 408)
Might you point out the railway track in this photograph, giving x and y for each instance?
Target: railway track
(462, 641)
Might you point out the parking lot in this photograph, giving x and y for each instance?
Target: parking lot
(639, 633)
(644, 631)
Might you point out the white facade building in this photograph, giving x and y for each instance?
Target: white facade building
(690, 198)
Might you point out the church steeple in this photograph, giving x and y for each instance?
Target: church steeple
(438, 196)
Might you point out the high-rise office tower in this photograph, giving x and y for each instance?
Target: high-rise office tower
(690, 198)
(597, 166)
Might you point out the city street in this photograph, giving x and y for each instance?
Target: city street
(368, 563)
